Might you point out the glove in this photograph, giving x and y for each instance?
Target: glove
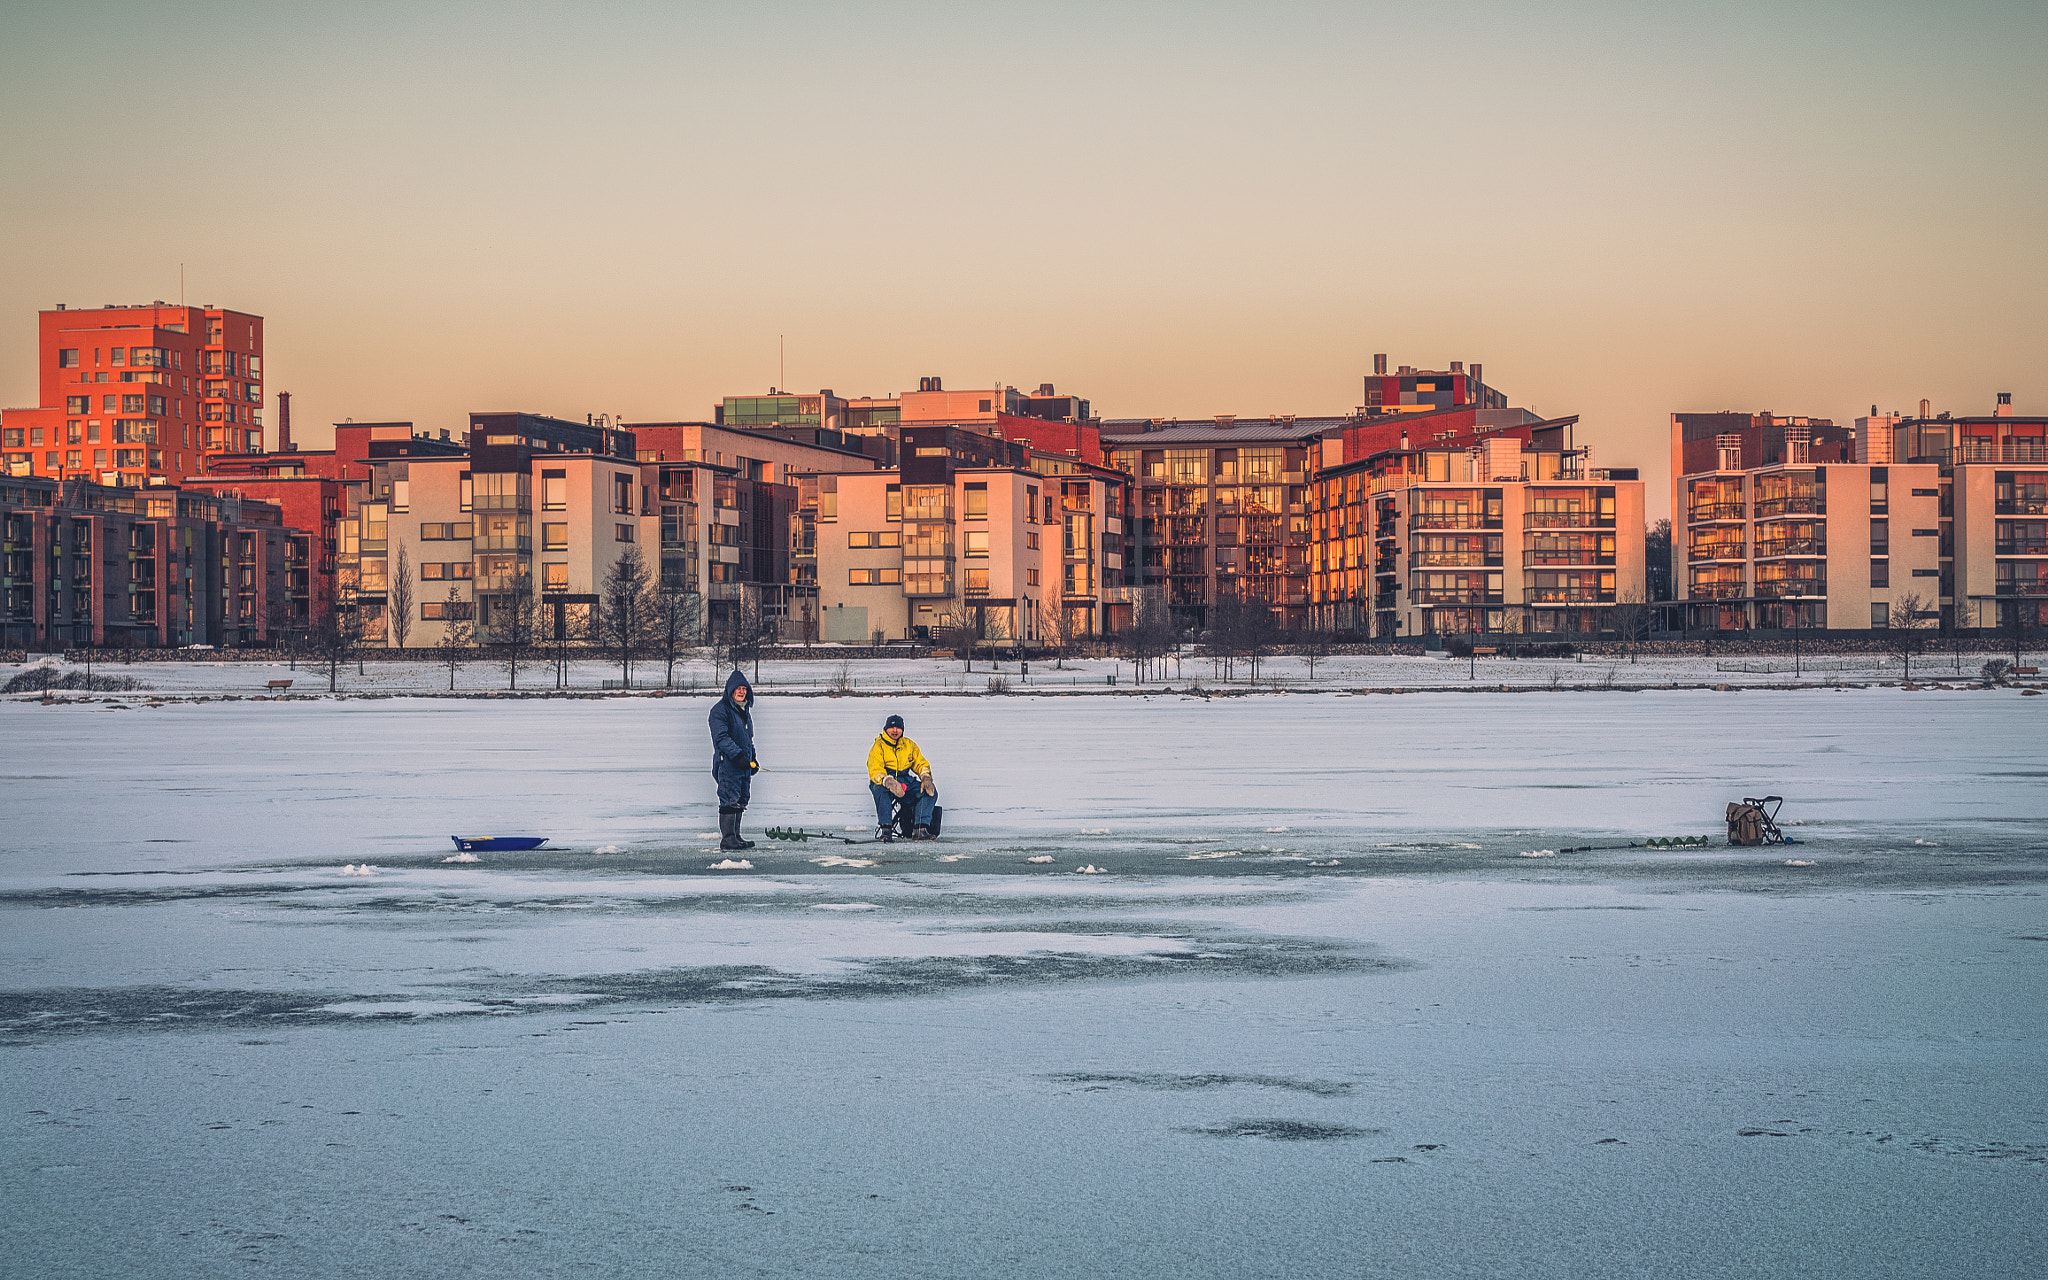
(926, 784)
(896, 787)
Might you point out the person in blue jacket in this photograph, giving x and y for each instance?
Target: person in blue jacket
(732, 757)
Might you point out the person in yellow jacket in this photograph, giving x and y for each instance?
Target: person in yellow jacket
(897, 770)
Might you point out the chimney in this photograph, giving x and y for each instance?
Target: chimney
(1924, 407)
(1226, 420)
(1457, 366)
(284, 422)
(1379, 366)
(1477, 379)
(1045, 388)
(2004, 409)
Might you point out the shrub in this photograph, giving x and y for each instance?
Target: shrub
(39, 679)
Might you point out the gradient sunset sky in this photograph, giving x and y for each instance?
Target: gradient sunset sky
(1174, 209)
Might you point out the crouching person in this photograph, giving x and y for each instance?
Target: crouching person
(732, 758)
(896, 769)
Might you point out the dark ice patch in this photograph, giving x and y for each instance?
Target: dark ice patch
(25, 1015)
(1280, 1130)
(1210, 1080)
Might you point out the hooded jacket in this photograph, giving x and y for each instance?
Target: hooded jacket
(732, 729)
(887, 757)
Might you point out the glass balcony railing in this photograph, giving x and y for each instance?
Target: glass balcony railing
(1715, 551)
(1570, 595)
(1710, 512)
(1716, 591)
(1779, 588)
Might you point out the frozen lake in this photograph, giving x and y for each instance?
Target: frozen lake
(1368, 986)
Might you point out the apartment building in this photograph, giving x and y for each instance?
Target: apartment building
(1775, 527)
(930, 403)
(112, 566)
(138, 395)
(1408, 389)
(1221, 507)
(1412, 541)
(1003, 552)
(1993, 517)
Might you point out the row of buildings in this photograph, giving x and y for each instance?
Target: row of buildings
(1433, 508)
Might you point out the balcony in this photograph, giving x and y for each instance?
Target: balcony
(1570, 595)
(501, 502)
(2019, 548)
(1781, 588)
(1799, 504)
(1455, 520)
(1714, 551)
(1566, 520)
(1569, 559)
(1425, 596)
(2035, 588)
(1794, 547)
(1716, 591)
(508, 542)
(1713, 512)
(2010, 507)
(2012, 450)
(1455, 559)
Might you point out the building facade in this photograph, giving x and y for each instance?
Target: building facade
(1415, 541)
(138, 395)
(110, 566)
(1936, 516)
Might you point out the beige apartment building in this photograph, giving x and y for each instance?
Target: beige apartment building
(1513, 535)
(1792, 525)
(1002, 551)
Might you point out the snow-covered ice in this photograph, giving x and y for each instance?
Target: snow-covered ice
(1393, 1049)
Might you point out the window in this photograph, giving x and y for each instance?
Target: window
(875, 577)
(622, 496)
(67, 358)
(1031, 505)
(883, 538)
(893, 498)
(78, 404)
(977, 582)
(1880, 573)
(986, 406)
(554, 577)
(622, 533)
(1927, 493)
(1031, 577)
(554, 490)
(1031, 539)
(117, 355)
(11, 438)
(401, 494)
(554, 537)
(976, 542)
(1880, 615)
(110, 404)
(459, 569)
(465, 493)
(975, 502)
(132, 404)
(433, 572)
(1927, 533)
(1927, 573)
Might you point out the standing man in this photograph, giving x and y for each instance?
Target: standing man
(895, 766)
(732, 758)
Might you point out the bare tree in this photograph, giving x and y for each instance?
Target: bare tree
(1258, 633)
(513, 626)
(1151, 632)
(2013, 628)
(1903, 638)
(742, 641)
(399, 594)
(1226, 626)
(1632, 621)
(337, 640)
(1056, 628)
(457, 635)
(624, 610)
(1314, 645)
(672, 626)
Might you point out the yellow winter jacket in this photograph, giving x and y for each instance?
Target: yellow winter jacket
(887, 757)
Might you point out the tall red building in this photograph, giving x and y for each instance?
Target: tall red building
(138, 395)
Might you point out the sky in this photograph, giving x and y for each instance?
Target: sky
(1178, 210)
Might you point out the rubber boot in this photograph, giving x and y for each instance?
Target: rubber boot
(729, 829)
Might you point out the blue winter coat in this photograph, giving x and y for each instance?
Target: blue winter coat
(732, 731)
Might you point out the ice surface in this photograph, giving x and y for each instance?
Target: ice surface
(1395, 1048)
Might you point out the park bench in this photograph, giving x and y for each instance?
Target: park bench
(278, 684)
(1484, 652)
(2026, 671)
